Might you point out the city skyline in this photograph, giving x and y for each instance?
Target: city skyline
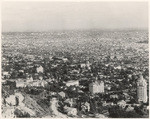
(75, 59)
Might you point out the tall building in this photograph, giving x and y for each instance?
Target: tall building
(96, 87)
(142, 89)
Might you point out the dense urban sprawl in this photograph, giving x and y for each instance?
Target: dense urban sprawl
(75, 74)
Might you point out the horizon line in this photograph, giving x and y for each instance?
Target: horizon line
(105, 29)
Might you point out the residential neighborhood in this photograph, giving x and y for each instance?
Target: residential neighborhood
(76, 84)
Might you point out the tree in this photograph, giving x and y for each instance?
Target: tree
(118, 112)
(17, 101)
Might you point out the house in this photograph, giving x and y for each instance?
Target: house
(44, 83)
(118, 67)
(122, 103)
(87, 105)
(86, 65)
(119, 79)
(44, 94)
(20, 84)
(9, 113)
(40, 77)
(114, 96)
(65, 59)
(83, 65)
(99, 116)
(129, 108)
(35, 84)
(108, 87)
(74, 71)
(30, 79)
(70, 102)
(62, 94)
(21, 71)
(3, 81)
(50, 80)
(40, 69)
(83, 108)
(96, 87)
(70, 111)
(11, 100)
(72, 83)
(126, 96)
(6, 74)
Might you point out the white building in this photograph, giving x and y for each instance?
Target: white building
(20, 84)
(30, 79)
(142, 89)
(43, 83)
(122, 103)
(65, 59)
(72, 83)
(5, 74)
(86, 65)
(96, 87)
(11, 100)
(40, 69)
(9, 112)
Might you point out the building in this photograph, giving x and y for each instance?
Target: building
(122, 103)
(114, 96)
(8, 112)
(96, 87)
(11, 100)
(70, 111)
(62, 94)
(87, 106)
(40, 69)
(65, 59)
(20, 83)
(29, 79)
(72, 83)
(129, 108)
(142, 89)
(70, 102)
(86, 65)
(5, 74)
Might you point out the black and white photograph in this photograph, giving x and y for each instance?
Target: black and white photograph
(74, 59)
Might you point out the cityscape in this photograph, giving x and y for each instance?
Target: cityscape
(98, 83)
(89, 73)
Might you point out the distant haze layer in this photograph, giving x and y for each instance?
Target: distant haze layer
(46, 16)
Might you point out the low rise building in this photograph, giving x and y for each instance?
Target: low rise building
(72, 83)
(40, 69)
(70, 111)
(96, 87)
(20, 83)
(121, 103)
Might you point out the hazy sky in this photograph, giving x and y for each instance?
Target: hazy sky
(45, 16)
